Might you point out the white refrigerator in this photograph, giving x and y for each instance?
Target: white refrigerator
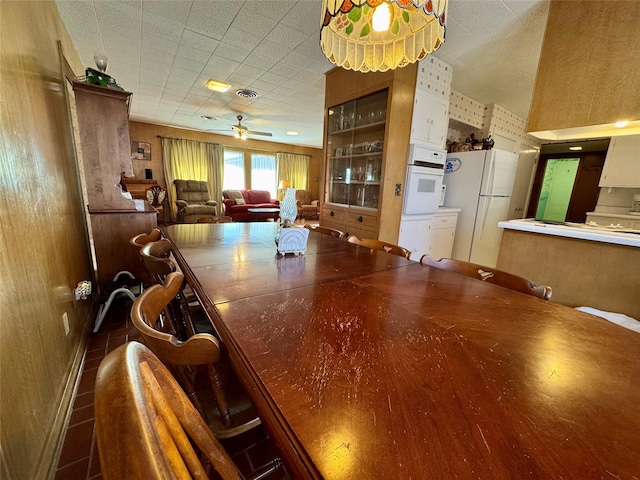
(480, 184)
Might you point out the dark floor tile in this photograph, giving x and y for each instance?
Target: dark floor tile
(88, 380)
(80, 415)
(77, 444)
(74, 471)
(82, 400)
(97, 353)
(91, 364)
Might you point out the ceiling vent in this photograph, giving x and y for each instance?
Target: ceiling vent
(244, 93)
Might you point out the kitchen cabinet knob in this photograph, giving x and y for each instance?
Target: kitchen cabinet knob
(360, 219)
(331, 213)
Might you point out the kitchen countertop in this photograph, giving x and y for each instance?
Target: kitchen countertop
(575, 230)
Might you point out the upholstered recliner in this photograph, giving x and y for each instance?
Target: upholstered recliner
(307, 208)
(193, 201)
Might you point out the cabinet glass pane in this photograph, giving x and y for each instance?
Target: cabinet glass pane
(355, 145)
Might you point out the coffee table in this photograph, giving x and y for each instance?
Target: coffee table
(264, 213)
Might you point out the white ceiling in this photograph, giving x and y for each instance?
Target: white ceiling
(165, 51)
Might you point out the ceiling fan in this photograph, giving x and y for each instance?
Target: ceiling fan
(242, 132)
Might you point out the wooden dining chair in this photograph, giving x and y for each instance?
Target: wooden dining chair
(142, 239)
(188, 315)
(324, 230)
(231, 412)
(380, 245)
(489, 275)
(147, 428)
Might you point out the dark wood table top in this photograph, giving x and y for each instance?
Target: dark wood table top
(366, 365)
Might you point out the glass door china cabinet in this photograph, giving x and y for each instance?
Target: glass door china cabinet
(354, 149)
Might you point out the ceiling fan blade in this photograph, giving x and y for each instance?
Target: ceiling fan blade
(266, 134)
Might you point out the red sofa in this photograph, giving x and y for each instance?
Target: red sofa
(237, 203)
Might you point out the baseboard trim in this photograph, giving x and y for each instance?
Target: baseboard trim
(55, 440)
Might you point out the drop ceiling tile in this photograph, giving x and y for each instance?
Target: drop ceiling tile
(182, 76)
(248, 20)
(294, 85)
(232, 52)
(147, 99)
(296, 59)
(270, 50)
(153, 90)
(81, 22)
(220, 67)
(249, 71)
(118, 17)
(285, 70)
(309, 78)
(260, 61)
(190, 65)
(304, 16)
(286, 36)
(238, 81)
(162, 29)
(212, 18)
(156, 42)
(240, 38)
(180, 118)
(152, 80)
(198, 41)
(262, 86)
(274, 78)
(193, 54)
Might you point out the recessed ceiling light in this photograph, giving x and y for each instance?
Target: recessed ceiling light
(622, 123)
(292, 133)
(575, 149)
(217, 85)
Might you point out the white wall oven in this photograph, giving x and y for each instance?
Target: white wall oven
(423, 187)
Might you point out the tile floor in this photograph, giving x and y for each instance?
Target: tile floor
(79, 458)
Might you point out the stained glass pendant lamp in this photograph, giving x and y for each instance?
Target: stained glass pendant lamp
(380, 35)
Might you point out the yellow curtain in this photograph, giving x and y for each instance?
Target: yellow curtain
(294, 168)
(190, 160)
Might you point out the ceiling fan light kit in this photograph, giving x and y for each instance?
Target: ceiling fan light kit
(241, 132)
(409, 30)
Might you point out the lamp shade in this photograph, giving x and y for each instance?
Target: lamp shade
(414, 29)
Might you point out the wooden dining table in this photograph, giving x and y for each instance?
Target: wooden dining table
(367, 365)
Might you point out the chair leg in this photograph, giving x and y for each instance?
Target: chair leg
(216, 385)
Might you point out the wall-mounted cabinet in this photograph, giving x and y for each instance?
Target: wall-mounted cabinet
(430, 120)
(367, 128)
(622, 164)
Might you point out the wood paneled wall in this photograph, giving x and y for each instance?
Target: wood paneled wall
(43, 243)
(147, 132)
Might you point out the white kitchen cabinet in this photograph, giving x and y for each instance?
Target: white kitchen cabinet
(414, 235)
(430, 120)
(442, 233)
(622, 163)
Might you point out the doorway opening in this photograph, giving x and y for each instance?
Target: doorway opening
(565, 185)
(557, 185)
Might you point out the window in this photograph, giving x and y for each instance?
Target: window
(263, 172)
(233, 170)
